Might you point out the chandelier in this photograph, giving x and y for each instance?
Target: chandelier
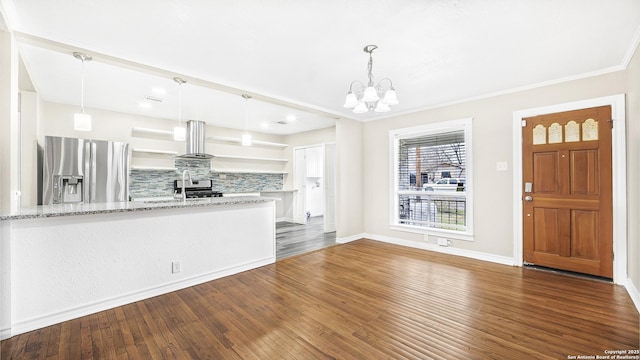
(376, 98)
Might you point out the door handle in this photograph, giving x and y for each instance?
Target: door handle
(528, 198)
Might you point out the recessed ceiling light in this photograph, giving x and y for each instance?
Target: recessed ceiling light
(291, 118)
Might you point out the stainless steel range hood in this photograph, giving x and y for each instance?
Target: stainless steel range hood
(194, 144)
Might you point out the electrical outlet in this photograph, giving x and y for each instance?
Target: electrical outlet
(443, 242)
(176, 267)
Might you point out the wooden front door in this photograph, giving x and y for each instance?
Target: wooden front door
(567, 201)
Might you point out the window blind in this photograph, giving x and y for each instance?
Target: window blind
(429, 158)
(431, 180)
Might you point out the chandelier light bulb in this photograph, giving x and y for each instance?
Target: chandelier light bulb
(370, 94)
(351, 101)
(390, 97)
(361, 108)
(382, 107)
(364, 98)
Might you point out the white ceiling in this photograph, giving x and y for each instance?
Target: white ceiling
(299, 57)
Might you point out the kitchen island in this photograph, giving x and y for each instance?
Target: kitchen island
(61, 262)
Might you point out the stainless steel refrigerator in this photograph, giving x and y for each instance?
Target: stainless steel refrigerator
(84, 171)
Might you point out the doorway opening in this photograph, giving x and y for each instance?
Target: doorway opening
(294, 239)
(314, 225)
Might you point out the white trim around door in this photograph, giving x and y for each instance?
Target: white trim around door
(617, 103)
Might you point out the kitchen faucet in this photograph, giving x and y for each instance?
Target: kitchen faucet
(185, 173)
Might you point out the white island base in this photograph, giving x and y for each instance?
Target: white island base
(59, 268)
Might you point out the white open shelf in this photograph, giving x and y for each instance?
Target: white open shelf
(150, 131)
(237, 157)
(248, 171)
(254, 142)
(168, 168)
(153, 151)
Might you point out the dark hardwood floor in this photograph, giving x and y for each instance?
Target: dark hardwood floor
(361, 300)
(294, 239)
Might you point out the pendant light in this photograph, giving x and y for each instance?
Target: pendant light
(82, 120)
(246, 137)
(179, 132)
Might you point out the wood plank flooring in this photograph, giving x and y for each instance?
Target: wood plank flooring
(362, 300)
(293, 239)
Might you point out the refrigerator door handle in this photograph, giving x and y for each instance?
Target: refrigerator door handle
(92, 187)
(57, 189)
(87, 174)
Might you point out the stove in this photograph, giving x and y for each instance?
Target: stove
(198, 189)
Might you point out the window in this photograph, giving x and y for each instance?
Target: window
(431, 187)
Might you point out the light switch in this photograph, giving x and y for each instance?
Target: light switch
(501, 166)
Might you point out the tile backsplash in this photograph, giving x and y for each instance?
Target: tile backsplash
(156, 182)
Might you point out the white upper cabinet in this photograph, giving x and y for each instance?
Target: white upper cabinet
(315, 161)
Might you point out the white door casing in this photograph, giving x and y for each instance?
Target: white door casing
(328, 173)
(329, 188)
(617, 103)
(299, 184)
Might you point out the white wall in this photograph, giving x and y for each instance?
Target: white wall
(28, 138)
(8, 116)
(10, 123)
(350, 179)
(492, 142)
(633, 171)
(315, 137)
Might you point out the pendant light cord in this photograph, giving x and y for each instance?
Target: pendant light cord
(180, 81)
(246, 112)
(82, 87)
(179, 104)
(84, 58)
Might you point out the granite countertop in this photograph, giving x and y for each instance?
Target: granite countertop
(46, 211)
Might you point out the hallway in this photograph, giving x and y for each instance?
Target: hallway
(293, 239)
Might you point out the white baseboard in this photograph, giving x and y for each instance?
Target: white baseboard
(347, 239)
(88, 309)
(633, 293)
(5, 334)
(284, 219)
(504, 260)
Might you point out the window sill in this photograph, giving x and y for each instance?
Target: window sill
(450, 234)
